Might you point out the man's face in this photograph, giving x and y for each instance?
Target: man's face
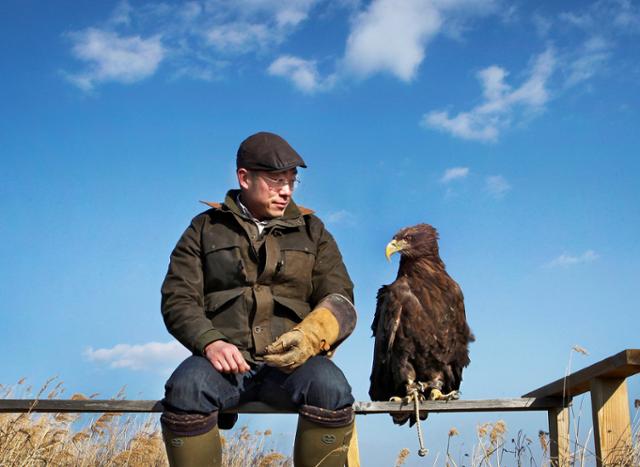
(266, 194)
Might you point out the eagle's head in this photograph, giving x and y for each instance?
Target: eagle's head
(415, 242)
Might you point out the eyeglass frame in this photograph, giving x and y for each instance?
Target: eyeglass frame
(276, 184)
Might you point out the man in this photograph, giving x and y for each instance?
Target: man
(257, 290)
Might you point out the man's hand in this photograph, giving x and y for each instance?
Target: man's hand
(225, 357)
(316, 333)
(289, 351)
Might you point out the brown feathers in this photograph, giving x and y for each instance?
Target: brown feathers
(420, 328)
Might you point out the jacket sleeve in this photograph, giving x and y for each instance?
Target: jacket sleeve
(182, 303)
(332, 286)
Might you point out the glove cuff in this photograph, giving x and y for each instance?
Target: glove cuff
(331, 321)
(320, 328)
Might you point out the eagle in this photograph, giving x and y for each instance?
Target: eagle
(420, 327)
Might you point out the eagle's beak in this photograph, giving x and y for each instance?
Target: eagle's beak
(393, 247)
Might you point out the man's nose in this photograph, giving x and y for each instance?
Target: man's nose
(286, 189)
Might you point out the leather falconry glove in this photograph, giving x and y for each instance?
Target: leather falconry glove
(327, 325)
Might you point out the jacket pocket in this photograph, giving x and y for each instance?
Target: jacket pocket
(286, 314)
(214, 300)
(298, 307)
(296, 271)
(227, 312)
(224, 267)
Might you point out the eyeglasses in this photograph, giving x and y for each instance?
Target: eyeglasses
(277, 183)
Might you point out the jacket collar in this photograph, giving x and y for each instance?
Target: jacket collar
(292, 217)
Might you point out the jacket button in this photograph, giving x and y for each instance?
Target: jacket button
(258, 329)
(256, 287)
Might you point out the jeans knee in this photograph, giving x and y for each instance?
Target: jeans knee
(195, 386)
(320, 383)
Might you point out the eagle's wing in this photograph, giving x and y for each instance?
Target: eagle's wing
(459, 334)
(443, 346)
(391, 367)
(380, 388)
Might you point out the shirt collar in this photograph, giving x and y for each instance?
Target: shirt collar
(260, 224)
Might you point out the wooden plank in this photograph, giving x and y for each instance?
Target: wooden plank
(620, 365)
(611, 421)
(362, 408)
(89, 406)
(490, 405)
(559, 438)
(99, 406)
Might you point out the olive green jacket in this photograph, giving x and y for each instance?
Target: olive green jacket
(225, 281)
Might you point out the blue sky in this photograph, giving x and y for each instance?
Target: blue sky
(512, 127)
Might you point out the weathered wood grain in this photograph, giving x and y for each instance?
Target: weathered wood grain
(620, 365)
(559, 437)
(363, 408)
(353, 454)
(611, 421)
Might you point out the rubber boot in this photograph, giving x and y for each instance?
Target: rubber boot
(204, 450)
(321, 446)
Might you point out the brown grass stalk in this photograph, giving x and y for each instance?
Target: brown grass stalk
(108, 439)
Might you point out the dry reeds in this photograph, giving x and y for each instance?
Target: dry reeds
(110, 439)
(493, 448)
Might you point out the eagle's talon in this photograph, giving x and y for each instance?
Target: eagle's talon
(453, 395)
(436, 395)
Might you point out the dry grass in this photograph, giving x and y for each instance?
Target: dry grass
(495, 448)
(118, 440)
(106, 440)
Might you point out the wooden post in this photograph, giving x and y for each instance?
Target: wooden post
(353, 454)
(611, 421)
(559, 453)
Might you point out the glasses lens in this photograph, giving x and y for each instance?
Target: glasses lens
(279, 182)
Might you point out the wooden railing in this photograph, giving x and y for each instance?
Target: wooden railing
(606, 380)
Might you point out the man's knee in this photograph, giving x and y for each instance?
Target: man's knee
(320, 383)
(196, 387)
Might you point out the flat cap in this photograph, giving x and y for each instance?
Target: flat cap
(268, 152)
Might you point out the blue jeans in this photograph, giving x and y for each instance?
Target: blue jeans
(197, 387)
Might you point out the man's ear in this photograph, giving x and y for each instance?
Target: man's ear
(243, 178)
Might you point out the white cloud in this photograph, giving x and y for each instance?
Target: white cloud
(302, 73)
(195, 39)
(240, 37)
(121, 14)
(454, 173)
(612, 16)
(579, 20)
(292, 14)
(502, 104)
(392, 36)
(627, 16)
(590, 59)
(497, 186)
(160, 357)
(542, 24)
(566, 260)
(340, 217)
(604, 24)
(285, 13)
(110, 57)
